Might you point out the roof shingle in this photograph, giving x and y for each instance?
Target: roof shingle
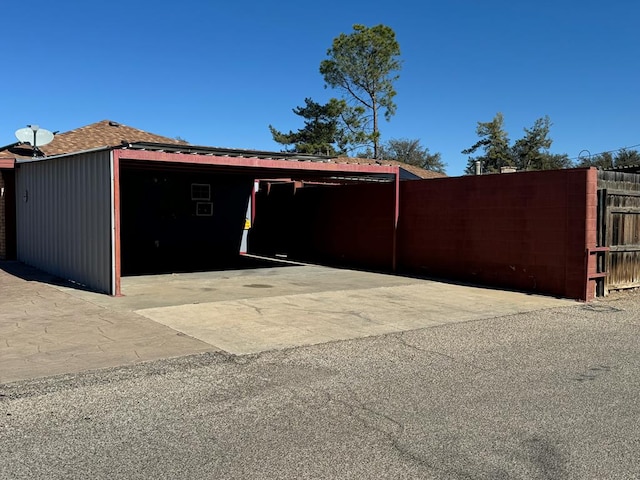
(419, 172)
(105, 133)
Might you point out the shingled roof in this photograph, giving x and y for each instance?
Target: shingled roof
(417, 171)
(106, 133)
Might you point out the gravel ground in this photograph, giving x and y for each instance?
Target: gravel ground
(547, 395)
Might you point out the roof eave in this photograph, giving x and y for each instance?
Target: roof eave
(62, 155)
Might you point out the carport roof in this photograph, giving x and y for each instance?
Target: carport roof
(260, 164)
(410, 171)
(223, 152)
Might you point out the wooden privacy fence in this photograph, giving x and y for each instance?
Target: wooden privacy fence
(619, 228)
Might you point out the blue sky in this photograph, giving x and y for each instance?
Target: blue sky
(218, 74)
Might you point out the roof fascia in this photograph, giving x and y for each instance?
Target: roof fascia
(254, 162)
(7, 163)
(63, 155)
(224, 152)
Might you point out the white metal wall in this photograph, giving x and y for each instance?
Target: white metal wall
(64, 217)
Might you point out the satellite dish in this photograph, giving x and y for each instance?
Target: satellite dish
(34, 136)
(25, 135)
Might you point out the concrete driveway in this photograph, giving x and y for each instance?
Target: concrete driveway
(49, 327)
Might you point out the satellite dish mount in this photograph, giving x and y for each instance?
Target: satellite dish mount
(34, 136)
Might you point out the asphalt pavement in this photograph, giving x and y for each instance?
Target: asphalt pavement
(546, 394)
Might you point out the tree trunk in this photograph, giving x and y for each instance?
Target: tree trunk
(376, 142)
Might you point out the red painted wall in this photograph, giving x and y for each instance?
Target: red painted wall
(527, 231)
(350, 225)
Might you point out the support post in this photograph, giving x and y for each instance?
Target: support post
(396, 215)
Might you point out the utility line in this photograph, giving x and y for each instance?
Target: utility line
(608, 151)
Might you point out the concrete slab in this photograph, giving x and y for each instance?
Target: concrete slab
(50, 327)
(47, 331)
(253, 325)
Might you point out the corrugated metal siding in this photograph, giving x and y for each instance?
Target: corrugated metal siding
(64, 212)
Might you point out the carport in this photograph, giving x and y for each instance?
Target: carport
(141, 208)
(92, 216)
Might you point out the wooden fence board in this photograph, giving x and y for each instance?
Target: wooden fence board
(619, 228)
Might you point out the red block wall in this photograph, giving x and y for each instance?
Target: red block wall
(350, 225)
(526, 231)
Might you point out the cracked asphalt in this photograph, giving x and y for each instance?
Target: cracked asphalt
(552, 394)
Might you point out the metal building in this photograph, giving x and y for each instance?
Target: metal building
(143, 207)
(65, 217)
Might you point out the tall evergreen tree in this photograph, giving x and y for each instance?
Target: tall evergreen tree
(322, 133)
(364, 66)
(494, 142)
(531, 152)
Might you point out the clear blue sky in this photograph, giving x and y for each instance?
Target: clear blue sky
(218, 73)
